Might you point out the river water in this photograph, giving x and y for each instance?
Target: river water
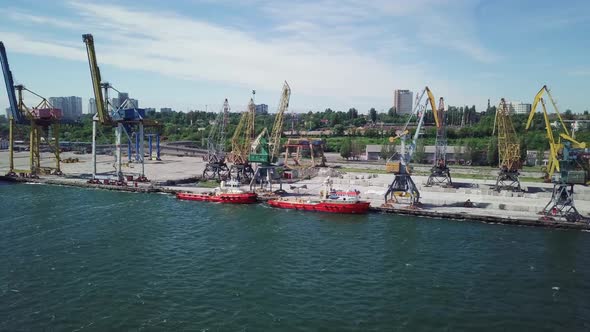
(91, 260)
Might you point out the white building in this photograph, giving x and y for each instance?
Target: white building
(403, 101)
(91, 106)
(517, 107)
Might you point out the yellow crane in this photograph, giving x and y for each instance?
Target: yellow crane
(555, 146)
(124, 119)
(240, 146)
(277, 128)
(565, 157)
(508, 150)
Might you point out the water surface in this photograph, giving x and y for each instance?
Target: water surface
(78, 259)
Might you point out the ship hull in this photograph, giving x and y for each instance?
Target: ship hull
(346, 208)
(231, 198)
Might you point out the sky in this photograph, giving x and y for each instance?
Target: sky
(192, 54)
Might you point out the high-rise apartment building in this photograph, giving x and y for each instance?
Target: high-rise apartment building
(120, 100)
(71, 107)
(403, 101)
(91, 106)
(261, 109)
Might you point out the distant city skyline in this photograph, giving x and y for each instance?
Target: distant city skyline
(189, 54)
(71, 106)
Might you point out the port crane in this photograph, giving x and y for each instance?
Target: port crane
(241, 170)
(402, 184)
(43, 119)
(510, 161)
(440, 174)
(216, 168)
(566, 166)
(266, 148)
(124, 119)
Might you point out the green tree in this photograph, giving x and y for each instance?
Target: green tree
(391, 112)
(357, 149)
(359, 122)
(372, 133)
(373, 115)
(473, 152)
(492, 153)
(523, 148)
(387, 150)
(346, 148)
(420, 153)
(338, 130)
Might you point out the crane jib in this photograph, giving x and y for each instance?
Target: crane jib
(9, 81)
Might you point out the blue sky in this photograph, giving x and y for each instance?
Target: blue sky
(334, 53)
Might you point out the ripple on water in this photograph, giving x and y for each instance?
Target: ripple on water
(119, 261)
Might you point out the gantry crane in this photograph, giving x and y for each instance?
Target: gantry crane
(44, 121)
(403, 185)
(126, 117)
(265, 149)
(216, 168)
(565, 157)
(241, 141)
(440, 173)
(510, 161)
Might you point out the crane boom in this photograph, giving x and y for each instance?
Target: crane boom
(538, 98)
(101, 107)
(277, 129)
(419, 111)
(554, 146)
(432, 101)
(9, 81)
(216, 139)
(242, 137)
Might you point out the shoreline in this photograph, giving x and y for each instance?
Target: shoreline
(471, 216)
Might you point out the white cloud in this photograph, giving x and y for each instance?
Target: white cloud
(182, 47)
(317, 52)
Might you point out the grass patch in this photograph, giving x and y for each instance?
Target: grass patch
(361, 170)
(208, 184)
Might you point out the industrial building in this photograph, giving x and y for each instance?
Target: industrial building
(373, 152)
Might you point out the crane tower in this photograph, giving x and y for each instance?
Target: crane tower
(566, 167)
(440, 173)
(508, 150)
(403, 186)
(216, 168)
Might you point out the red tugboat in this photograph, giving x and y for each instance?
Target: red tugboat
(229, 192)
(331, 200)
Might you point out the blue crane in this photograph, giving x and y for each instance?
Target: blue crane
(9, 81)
(42, 117)
(403, 185)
